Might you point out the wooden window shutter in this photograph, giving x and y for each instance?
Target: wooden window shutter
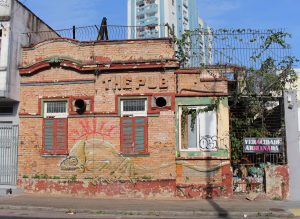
(134, 135)
(55, 136)
(127, 135)
(139, 134)
(48, 134)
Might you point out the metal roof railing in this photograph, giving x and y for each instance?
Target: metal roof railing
(242, 47)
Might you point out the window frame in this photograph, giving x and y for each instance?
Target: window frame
(134, 125)
(55, 115)
(55, 150)
(134, 113)
(56, 127)
(197, 126)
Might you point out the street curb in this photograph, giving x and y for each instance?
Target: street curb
(155, 214)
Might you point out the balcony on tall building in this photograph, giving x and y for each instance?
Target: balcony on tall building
(152, 33)
(140, 10)
(150, 1)
(140, 2)
(142, 35)
(185, 3)
(185, 13)
(141, 22)
(140, 16)
(151, 8)
(151, 20)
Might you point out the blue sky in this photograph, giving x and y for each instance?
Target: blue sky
(258, 14)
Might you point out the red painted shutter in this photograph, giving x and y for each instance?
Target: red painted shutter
(48, 134)
(139, 134)
(55, 136)
(61, 136)
(134, 135)
(126, 135)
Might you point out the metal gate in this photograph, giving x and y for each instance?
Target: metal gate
(8, 154)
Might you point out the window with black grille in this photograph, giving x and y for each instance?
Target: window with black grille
(134, 107)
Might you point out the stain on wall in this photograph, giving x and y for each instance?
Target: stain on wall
(277, 181)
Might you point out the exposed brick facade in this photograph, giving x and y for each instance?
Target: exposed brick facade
(104, 74)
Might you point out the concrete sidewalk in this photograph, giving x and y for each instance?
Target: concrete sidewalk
(222, 208)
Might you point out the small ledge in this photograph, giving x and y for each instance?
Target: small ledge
(135, 155)
(202, 158)
(54, 155)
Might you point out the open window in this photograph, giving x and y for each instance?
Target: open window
(198, 129)
(55, 128)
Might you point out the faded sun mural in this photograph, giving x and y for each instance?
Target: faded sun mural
(93, 153)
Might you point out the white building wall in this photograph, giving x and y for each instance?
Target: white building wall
(170, 13)
(5, 8)
(129, 11)
(16, 19)
(292, 111)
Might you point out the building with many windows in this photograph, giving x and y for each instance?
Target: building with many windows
(150, 17)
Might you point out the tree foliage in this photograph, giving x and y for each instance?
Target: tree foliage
(259, 89)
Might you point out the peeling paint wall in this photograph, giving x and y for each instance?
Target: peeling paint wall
(205, 179)
(277, 181)
(90, 188)
(94, 163)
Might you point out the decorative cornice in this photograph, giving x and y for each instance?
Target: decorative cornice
(58, 82)
(97, 66)
(100, 42)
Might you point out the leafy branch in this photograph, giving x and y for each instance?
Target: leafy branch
(259, 88)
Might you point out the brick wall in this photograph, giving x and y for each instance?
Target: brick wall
(94, 162)
(99, 52)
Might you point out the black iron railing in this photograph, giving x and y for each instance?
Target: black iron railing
(242, 47)
(93, 33)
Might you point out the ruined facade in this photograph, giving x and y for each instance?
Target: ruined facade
(119, 119)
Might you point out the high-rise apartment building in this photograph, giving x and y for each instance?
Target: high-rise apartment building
(150, 16)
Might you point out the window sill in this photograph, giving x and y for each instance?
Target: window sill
(47, 154)
(200, 151)
(202, 158)
(135, 155)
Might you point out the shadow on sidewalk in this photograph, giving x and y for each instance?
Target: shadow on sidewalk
(222, 213)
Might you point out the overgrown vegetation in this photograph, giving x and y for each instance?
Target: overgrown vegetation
(260, 80)
(194, 112)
